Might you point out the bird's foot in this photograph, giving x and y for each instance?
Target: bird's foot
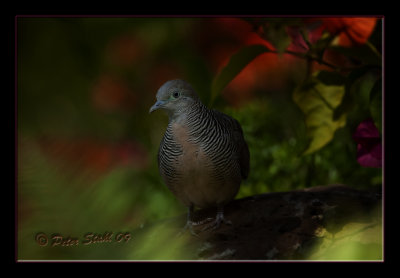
(189, 225)
(217, 222)
(213, 225)
(201, 222)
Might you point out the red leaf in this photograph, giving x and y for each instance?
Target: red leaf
(352, 31)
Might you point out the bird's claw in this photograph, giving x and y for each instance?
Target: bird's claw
(217, 222)
(189, 225)
(201, 222)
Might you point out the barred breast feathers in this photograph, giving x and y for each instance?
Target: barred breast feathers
(168, 151)
(218, 135)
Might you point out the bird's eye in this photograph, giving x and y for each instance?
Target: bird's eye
(176, 94)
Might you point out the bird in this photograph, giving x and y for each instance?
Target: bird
(203, 156)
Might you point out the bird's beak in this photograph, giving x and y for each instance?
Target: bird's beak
(157, 105)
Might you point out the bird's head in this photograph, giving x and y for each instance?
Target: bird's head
(175, 97)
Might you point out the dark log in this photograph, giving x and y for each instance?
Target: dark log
(306, 224)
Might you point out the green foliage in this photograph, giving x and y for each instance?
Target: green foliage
(318, 100)
(376, 104)
(355, 241)
(352, 89)
(276, 146)
(366, 54)
(326, 97)
(275, 32)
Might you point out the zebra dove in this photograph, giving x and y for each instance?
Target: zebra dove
(203, 156)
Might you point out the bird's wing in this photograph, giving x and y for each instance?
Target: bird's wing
(244, 153)
(243, 149)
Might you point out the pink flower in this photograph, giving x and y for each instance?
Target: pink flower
(369, 144)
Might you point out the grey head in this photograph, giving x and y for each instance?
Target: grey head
(175, 97)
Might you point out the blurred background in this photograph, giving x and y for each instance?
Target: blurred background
(87, 147)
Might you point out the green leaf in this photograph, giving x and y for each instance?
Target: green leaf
(275, 33)
(345, 106)
(376, 104)
(319, 47)
(365, 53)
(348, 101)
(331, 78)
(318, 101)
(236, 64)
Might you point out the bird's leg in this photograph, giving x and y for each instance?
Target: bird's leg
(189, 222)
(218, 220)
